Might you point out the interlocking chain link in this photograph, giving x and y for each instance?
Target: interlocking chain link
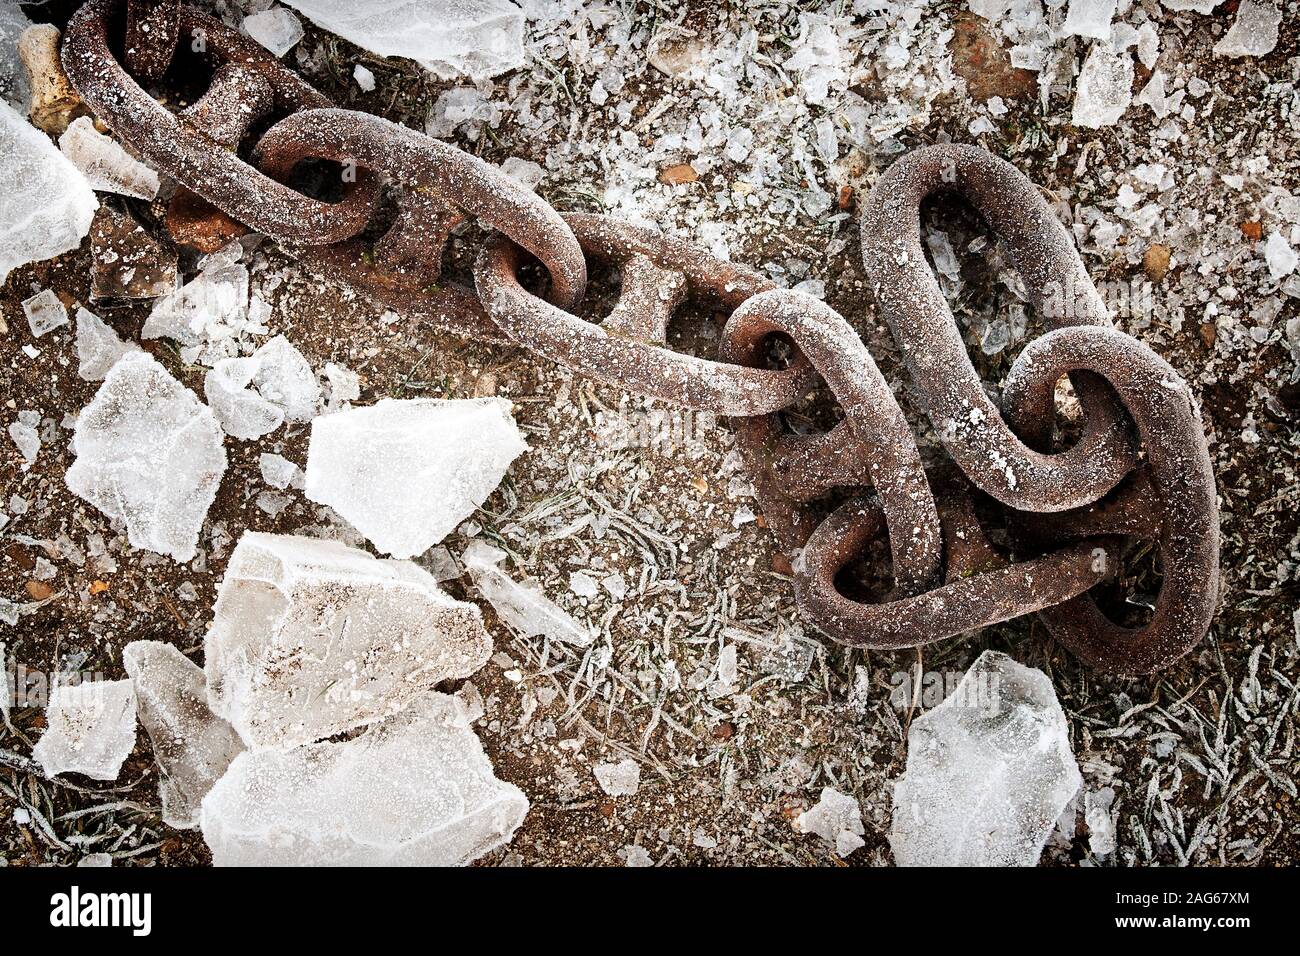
(1138, 470)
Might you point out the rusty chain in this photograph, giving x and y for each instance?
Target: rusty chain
(1138, 470)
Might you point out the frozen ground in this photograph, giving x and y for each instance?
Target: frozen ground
(701, 674)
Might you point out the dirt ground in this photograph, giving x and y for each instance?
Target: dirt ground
(1202, 757)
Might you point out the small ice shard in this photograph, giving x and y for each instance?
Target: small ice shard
(278, 471)
(522, 605)
(1254, 32)
(14, 88)
(622, 779)
(477, 38)
(25, 435)
(523, 171)
(405, 472)
(837, 819)
(105, 163)
(633, 855)
(98, 347)
(254, 395)
(1199, 6)
(45, 312)
(89, 729)
(818, 57)
(1101, 827)
(46, 204)
(415, 790)
(344, 386)
(311, 638)
(1090, 18)
(217, 296)
(150, 454)
(1280, 257)
(95, 859)
(365, 78)
(988, 771)
(193, 746)
(461, 108)
(276, 29)
(1104, 88)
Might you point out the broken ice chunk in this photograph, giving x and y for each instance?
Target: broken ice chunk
(311, 638)
(622, 779)
(478, 38)
(344, 386)
(45, 312)
(217, 297)
(1104, 88)
(89, 729)
(1089, 18)
(1200, 6)
(523, 171)
(1280, 257)
(522, 605)
(415, 790)
(14, 87)
(837, 819)
(276, 29)
(1254, 32)
(1101, 827)
(988, 771)
(278, 471)
(150, 454)
(106, 165)
(98, 347)
(286, 389)
(46, 204)
(365, 78)
(284, 377)
(25, 435)
(405, 472)
(193, 747)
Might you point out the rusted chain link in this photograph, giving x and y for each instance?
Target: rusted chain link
(1139, 469)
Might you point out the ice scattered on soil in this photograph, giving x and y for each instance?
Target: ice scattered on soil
(46, 205)
(278, 471)
(524, 171)
(475, 38)
(1281, 258)
(1105, 87)
(150, 454)
(1101, 826)
(1254, 32)
(311, 638)
(344, 386)
(254, 395)
(988, 771)
(837, 819)
(212, 304)
(633, 855)
(89, 729)
(1090, 18)
(45, 312)
(106, 165)
(522, 605)
(276, 29)
(98, 346)
(193, 747)
(26, 436)
(405, 472)
(462, 108)
(365, 78)
(414, 790)
(95, 859)
(622, 779)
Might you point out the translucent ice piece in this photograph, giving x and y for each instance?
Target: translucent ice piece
(106, 165)
(311, 638)
(837, 819)
(276, 29)
(1254, 32)
(217, 296)
(278, 471)
(415, 790)
(89, 729)
(622, 779)
(988, 771)
(14, 88)
(46, 204)
(253, 396)
(1104, 88)
(521, 605)
(405, 472)
(148, 453)
(1090, 18)
(193, 746)
(98, 347)
(478, 38)
(45, 312)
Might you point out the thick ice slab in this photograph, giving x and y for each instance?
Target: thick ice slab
(988, 771)
(522, 605)
(450, 38)
(90, 729)
(405, 473)
(98, 346)
(150, 454)
(192, 745)
(415, 790)
(311, 638)
(46, 204)
(105, 163)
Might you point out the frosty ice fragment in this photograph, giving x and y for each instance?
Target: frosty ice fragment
(14, 88)
(46, 204)
(405, 472)
(217, 298)
(45, 312)
(1254, 32)
(193, 746)
(278, 471)
(478, 38)
(1104, 88)
(106, 165)
(311, 638)
(150, 454)
(522, 605)
(276, 29)
(98, 347)
(365, 79)
(253, 396)
(1090, 18)
(1280, 257)
(90, 729)
(837, 819)
(621, 779)
(988, 771)
(415, 790)
(25, 436)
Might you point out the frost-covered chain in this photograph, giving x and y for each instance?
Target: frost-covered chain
(1139, 468)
